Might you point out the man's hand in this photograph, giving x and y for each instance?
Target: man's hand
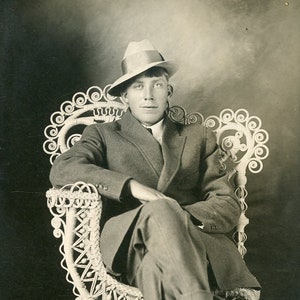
(144, 193)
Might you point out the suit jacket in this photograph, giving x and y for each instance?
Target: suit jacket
(186, 167)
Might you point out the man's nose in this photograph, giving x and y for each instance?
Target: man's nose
(148, 93)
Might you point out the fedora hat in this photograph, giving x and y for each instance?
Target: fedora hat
(139, 57)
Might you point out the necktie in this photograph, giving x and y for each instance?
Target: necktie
(150, 130)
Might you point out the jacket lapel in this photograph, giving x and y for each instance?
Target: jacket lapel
(172, 148)
(131, 130)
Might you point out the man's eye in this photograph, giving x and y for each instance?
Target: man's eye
(138, 86)
(158, 84)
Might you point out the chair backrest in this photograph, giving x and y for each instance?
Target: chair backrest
(66, 127)
(239, 135)
(243, 145)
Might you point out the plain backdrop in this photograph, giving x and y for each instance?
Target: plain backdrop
(232, 54)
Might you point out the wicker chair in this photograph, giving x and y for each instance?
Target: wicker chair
(76, 208)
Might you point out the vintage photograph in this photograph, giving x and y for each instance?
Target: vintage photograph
(149, 150)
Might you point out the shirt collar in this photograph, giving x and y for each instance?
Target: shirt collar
(157, 127)
(157, 130)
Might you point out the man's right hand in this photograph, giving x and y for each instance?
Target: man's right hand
(145, 193)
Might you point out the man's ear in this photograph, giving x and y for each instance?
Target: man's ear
(124, 96)
(170, 90)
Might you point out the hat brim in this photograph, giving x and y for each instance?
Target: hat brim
(115, 88)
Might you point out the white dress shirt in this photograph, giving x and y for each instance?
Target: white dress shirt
(157, 130)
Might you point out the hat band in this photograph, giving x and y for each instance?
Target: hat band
(132, 62)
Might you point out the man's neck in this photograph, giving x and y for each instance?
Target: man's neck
(150, 125)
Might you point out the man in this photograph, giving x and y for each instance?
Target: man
(167, 200)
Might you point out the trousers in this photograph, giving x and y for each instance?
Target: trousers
(168, 257)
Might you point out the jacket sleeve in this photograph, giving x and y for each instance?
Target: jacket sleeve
(218, 209)
(86, 161)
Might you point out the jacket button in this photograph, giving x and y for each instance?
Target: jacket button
(105, 188)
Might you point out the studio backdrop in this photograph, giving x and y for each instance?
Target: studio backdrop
(231, 54)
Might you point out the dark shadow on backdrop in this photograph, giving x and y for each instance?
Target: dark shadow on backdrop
(40, 65)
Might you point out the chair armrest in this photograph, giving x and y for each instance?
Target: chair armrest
(76, 210)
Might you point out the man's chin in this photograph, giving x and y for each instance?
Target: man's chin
(149, 119)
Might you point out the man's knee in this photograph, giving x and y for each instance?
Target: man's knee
(162, 207)
(163, 213)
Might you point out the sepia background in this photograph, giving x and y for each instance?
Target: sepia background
(232, 54)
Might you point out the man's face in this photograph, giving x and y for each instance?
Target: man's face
(147, 98)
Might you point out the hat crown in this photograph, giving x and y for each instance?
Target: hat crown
(139, 57)
(137, 47)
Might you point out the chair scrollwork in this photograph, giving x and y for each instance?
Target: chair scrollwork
(96, 105)
(243, 143)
